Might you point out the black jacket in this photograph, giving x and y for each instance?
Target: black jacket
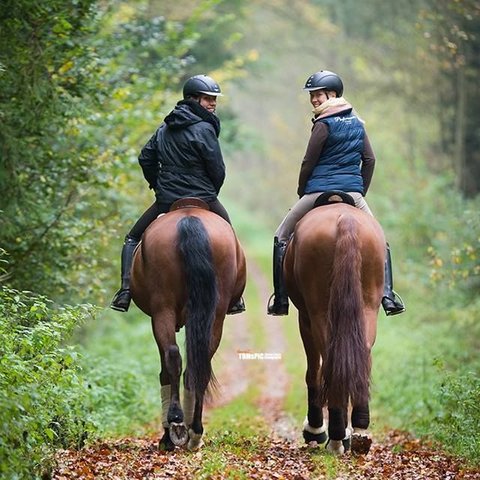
(183, 157)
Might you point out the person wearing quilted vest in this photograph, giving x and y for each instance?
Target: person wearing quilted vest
(182, 159)
(338, 157)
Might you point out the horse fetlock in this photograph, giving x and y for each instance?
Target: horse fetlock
(312, 437)
(195, 440)
(178, 434)
(175, 414)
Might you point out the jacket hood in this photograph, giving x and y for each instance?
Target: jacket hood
(189, 112)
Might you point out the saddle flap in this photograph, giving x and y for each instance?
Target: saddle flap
(189, 202)
(333, 196)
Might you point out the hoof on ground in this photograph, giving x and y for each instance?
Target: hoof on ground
(178, 434)
(195, 440)
(340, 447)
(335, 447)
(361, 443)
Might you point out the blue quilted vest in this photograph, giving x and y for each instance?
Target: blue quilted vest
(339, 164)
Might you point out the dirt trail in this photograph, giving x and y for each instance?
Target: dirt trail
(276, 381)
(238, 369)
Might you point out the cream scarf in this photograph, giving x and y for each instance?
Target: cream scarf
(331, 106)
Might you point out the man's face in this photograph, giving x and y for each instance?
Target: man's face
(208, 102)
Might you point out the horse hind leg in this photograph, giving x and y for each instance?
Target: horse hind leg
(192, 409)
(165, 442)
(193, 404)
(195, 432)
(174, 421)
(314, 427)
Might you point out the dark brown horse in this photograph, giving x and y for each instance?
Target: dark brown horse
(334, 273)
(188, 270)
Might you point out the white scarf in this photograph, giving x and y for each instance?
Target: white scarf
(333, 105)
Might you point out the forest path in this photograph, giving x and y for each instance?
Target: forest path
(280, 454)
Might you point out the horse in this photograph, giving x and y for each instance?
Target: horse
(334, 274)
(188, 270)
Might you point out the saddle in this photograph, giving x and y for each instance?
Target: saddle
(334, 196)
(189, 202)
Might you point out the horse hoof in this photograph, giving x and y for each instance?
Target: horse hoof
(361, 443)
(178, 434)
(195, 440)
(339, 447)
(335, 446)
(166, 444)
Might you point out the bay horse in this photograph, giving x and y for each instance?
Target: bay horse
(334, 274)
(188, 270)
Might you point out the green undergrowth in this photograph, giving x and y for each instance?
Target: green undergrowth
(45, 401)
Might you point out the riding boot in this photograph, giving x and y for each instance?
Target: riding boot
(239, 307)
(121, 300)
(391, 301)
(280, 297)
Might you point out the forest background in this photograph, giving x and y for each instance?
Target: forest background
(83, 85)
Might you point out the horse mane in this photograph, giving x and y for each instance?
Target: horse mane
(346, 367)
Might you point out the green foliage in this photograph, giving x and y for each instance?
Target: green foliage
(81, 90)
(42, 394)
(456, 265)
(47, 83)
(121, 365)
(456, 422)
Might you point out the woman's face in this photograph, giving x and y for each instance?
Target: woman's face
(317, 97)
(208, 102)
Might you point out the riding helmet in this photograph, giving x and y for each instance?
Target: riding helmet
(201, 84)
(324, 80)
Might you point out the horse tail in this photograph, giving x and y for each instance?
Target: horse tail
(202, 294)
(346, 367)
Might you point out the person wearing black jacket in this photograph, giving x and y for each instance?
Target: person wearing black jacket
(182, 159)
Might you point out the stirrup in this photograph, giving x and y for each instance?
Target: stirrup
(276, 308)
(393, 306)
(239, 307)
(121, 300)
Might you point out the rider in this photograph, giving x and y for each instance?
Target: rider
(338, 157)
(181, 159)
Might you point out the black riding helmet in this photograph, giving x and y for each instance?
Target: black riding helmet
(201, 84)
(324, 80)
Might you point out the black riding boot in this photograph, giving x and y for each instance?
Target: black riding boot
(391, 301)
(280, 297)
(121, 300)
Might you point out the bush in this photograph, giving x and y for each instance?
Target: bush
(456, 425)
(42, 395)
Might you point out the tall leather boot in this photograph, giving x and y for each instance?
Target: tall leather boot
(280, 297)
(391, 301)
(121, 300)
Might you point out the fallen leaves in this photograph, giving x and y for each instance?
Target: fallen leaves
(398, 457)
